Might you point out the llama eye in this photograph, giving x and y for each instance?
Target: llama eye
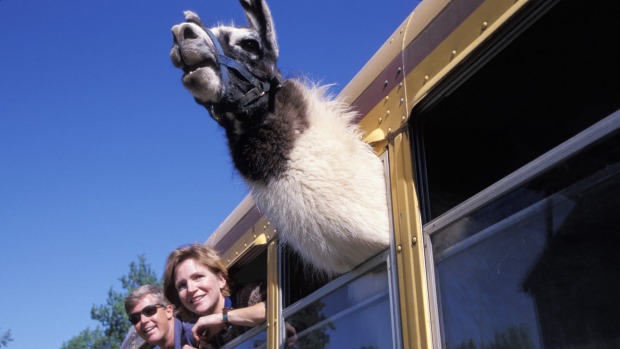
(250, 45)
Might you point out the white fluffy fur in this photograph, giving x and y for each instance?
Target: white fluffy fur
(330, 206)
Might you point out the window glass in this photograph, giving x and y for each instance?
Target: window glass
(537, 268)
(355, 315)
(258, 340)
(526, 100)
(299, 279)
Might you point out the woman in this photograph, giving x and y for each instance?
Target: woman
(196, 282)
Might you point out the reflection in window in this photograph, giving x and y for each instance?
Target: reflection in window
(355, 315)
(253, 339)
(538, 268)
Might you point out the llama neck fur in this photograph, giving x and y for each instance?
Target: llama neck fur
(322, 187)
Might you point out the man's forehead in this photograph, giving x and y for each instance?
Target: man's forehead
(147, 299)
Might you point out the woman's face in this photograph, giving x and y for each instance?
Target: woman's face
(200, 289)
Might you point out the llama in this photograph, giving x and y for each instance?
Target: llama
(298, 150)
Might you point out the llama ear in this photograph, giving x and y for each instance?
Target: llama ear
(192, 18)
(259, 16)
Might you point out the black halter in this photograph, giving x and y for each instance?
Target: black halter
(260, 85)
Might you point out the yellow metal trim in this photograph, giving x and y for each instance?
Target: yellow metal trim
(385, 119)
(470, 34)
(412, 282)
(260, 233)
(273, 296)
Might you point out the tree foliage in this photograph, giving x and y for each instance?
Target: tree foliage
(113, 322)
(310, 316)
(87, 339)
(5, 338)
(514, 337)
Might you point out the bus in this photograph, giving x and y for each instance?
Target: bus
(498, 124)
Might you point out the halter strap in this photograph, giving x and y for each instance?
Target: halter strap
(261, 85)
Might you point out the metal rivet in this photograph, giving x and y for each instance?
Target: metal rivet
(380, 120)
(399, 248)
(385, 83)
(414, 240)
(485, 25)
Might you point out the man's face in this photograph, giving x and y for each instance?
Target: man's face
(158, 328)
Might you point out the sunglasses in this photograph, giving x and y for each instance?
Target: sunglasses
(147, 311)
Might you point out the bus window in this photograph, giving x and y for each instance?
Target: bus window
(518, 170)
(300, 279)
(552, 81)
(539, 267)
(250, 273)
(352, 311)
(518, 165)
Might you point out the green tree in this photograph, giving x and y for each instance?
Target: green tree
(5, 338)
(113, 320)
(87, 339)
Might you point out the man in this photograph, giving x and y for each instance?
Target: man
(153, 319)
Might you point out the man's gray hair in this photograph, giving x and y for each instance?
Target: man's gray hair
(136, 295)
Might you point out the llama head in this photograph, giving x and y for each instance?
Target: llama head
(230, 70)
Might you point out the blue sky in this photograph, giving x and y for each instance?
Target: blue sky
(105, 156)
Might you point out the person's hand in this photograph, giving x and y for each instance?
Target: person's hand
(207, 326)
(291, 334)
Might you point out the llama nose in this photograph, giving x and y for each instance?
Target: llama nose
(182, 35)
(182, 32)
